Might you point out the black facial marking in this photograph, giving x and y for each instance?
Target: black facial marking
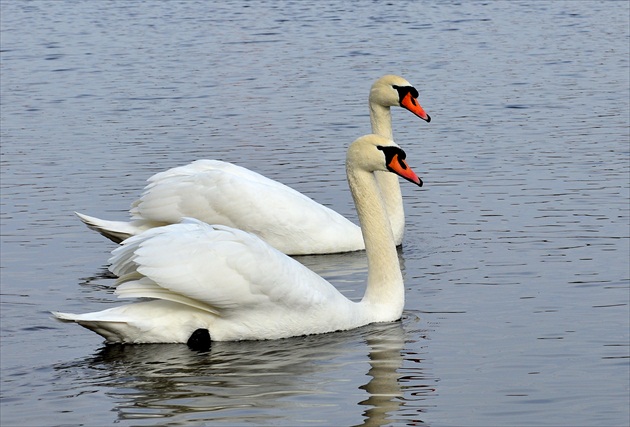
(199, 340)
(404, 90)
(390, 153)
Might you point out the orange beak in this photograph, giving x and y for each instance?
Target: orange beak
(410, 103)
(401, 168)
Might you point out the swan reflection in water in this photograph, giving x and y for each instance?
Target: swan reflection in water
(318, 379)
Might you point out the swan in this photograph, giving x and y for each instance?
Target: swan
(212, 282)
(218, 192)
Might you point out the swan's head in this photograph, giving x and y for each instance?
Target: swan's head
(373, 153)
(394, 91)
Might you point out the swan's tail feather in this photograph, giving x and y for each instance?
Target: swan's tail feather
(155, 321)
(116, 231)
(112, 330)
(65, 317)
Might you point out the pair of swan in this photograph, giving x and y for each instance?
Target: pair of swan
(217, 192)
(222, 282)
(212, 282)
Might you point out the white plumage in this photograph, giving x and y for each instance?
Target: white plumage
(217, 192)
(238, 287)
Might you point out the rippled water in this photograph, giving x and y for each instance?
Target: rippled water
(516, 250)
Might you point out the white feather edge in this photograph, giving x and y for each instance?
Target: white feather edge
(146, 288)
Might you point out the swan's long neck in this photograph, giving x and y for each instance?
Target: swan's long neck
(381, 120)
(385, 294)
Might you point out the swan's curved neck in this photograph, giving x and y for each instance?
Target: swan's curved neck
(381, 120)
(385, 293)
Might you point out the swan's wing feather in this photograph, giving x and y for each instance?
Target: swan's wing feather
(242, 199)
(131, 286)
(219, 268)
(201, 166)
(228, 195)
(206, 190)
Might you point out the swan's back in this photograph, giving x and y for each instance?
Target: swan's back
(228, 274)
(222, 193)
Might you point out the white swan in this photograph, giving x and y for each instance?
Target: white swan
(231, 285)
(217, 192)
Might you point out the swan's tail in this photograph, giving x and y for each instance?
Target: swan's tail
(116, 231)
(142, 322)
(113, 331)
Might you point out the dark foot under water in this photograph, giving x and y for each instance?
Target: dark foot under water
(199, 340)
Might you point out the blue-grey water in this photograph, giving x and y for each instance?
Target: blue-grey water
(516, 250)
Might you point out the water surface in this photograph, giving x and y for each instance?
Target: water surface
(516, 250)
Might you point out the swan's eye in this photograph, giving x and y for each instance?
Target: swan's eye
(404, 90)
(394, 154)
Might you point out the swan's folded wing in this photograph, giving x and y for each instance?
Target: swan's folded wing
(201, 166)
(210, 190)
(222, 193)
(239, 198)
(215, 268)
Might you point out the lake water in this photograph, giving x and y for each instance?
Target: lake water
(516, 249)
